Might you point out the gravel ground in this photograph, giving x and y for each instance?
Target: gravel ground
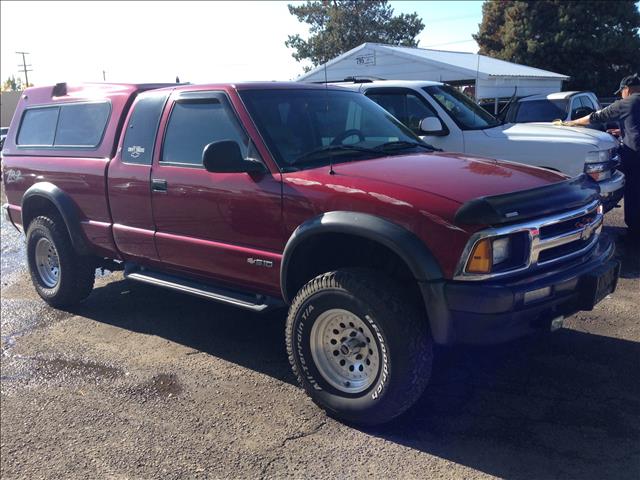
(140, 382)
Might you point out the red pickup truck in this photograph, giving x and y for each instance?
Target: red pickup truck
(262, 195)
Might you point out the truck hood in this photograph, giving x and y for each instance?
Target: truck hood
(453, 176)
(553, 133)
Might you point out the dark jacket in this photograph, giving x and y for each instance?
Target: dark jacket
(627, 112)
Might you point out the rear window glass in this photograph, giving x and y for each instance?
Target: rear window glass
(38, 126)
(71, 125)
(541, 111)
(141, 130)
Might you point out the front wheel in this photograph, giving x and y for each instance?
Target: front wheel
(360, 350)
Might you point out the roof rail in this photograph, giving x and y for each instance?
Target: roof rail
(358, 80)
(353, 79)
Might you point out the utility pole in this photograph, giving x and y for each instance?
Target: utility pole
(24, 67)
(104, 76)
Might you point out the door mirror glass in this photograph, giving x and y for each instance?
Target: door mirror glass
(432, 126)
(225, 156)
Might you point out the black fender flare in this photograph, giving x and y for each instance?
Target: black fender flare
(398, 239)
(64, 204)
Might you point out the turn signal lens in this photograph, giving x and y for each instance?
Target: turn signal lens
(481, 257)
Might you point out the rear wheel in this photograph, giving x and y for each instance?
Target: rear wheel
(359, 348)
(60, 276)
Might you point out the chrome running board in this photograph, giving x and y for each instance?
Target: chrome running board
(247, 301)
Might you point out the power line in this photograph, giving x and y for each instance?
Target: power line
(24, 68)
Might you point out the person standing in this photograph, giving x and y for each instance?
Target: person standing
(626, 111)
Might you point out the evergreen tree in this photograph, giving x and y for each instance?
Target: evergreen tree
(340, 25)
(596, 43)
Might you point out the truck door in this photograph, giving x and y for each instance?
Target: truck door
(221, 226)
(129, 176)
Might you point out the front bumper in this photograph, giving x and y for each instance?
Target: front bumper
(493, 312)
(612, 190)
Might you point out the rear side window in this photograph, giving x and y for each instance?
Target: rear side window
(142, 128)
(81, 125)
(38, 126)
(196, 123)
(71, 125)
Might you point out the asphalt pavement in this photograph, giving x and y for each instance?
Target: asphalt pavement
(139, 382)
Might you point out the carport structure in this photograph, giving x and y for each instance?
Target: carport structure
(492, 78)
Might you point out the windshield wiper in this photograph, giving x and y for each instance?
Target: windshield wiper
(331, 149)
(403, 144)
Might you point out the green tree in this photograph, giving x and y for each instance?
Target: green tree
(596, 43)
(340, 25)
(12, 85)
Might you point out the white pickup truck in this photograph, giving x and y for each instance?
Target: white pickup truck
(448, 119)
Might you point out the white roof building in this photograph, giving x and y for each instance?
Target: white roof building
(493, 78)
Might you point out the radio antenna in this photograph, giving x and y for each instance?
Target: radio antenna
(326, 90)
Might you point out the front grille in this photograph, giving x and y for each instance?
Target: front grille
(562, 251)
(566, 236)
(549, 231)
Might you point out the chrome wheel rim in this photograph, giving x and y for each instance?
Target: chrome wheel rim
(344, 351)
(47, 262)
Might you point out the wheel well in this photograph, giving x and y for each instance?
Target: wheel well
(331, 251)
(35, 207)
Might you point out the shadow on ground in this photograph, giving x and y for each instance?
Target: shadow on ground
(627, 251)
(567, 404)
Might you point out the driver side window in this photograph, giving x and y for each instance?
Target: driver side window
(587, 102)
(194, 124)
(405, 106)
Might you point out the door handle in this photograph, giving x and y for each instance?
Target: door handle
(158, 185)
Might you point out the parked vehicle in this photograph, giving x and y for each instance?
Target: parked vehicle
(449, 120)
(555, 106)
(269, 194)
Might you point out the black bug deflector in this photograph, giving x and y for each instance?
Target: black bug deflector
(526, 204)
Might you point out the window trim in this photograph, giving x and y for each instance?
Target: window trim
(197, 96)
(58, 106)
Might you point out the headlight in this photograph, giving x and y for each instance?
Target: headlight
(599, 156)
(501, 249)
(498, 253)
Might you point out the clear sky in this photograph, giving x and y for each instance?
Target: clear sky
(199, 41)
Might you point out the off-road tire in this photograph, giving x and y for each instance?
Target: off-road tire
(76, 272)
(400, 328)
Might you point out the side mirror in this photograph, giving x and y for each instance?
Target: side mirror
(225, 157)
(432, 126)
(581, 112)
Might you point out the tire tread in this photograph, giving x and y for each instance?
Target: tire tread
(383, 293)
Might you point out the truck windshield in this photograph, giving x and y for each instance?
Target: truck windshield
(309, 128)
(541, 111)
(467, 114)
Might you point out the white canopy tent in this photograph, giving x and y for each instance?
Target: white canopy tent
(492, 78)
